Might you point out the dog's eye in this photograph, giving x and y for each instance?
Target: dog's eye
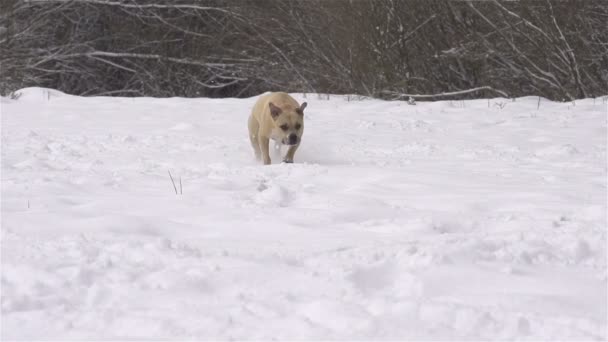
(298, 126)
(284, 127)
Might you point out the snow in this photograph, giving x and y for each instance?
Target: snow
(468, 220)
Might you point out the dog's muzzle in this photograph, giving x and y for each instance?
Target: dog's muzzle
(292, 139)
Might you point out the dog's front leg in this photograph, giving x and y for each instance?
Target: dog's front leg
(290, 153)
(263, 141)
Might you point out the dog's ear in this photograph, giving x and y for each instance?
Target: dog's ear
(301, 109)
(274, 110)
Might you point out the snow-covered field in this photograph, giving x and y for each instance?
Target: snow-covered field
(445, 220)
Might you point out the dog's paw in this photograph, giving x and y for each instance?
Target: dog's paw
(287, 161)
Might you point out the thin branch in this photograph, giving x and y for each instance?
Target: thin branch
(453, 93)
(112, 92)
(114, 64)
(407, 36)
(151, 56)
(132, 5)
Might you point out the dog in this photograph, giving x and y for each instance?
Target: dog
(279, 117)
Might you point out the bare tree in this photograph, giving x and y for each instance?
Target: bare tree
(556, 49)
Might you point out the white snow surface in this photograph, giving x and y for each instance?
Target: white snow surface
(461, 220)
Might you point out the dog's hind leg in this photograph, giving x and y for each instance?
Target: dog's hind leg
(263, 143)
(253, 132)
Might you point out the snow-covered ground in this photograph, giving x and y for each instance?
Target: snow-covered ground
(445, 220)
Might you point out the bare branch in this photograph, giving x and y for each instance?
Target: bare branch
(452, 93)
(132, 5)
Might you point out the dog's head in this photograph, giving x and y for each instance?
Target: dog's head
(289, 123)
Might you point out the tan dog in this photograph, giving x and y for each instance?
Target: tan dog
(279, 117)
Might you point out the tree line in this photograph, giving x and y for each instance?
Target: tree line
(238, 48)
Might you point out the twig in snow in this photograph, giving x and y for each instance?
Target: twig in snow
(538, 105)
(172, 181)
(500, 105)
(180, 186)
